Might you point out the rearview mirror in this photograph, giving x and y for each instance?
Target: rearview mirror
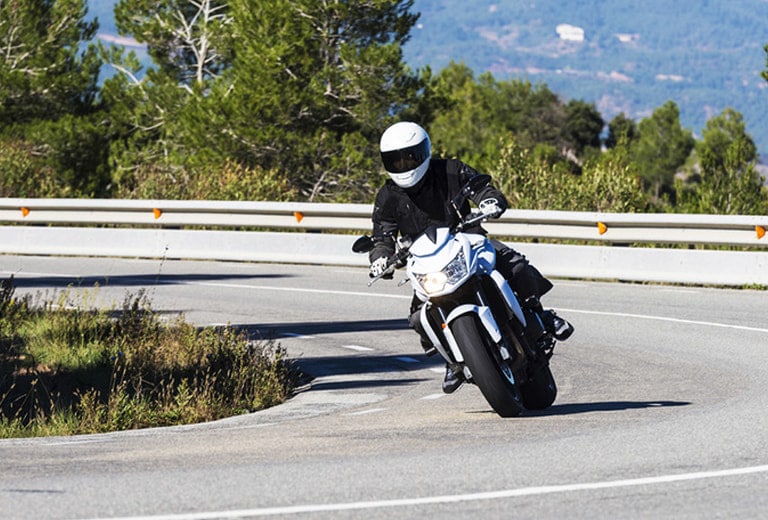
(364, 244)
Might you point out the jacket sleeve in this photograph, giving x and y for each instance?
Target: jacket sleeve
(384, 227)
(489, 192)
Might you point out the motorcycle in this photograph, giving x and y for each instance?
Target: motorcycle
(471, 315)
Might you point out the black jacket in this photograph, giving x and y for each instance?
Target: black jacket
(408, 212)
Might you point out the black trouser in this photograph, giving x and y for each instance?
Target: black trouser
(524, 279)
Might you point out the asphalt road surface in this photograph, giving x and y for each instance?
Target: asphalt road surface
(661, 411)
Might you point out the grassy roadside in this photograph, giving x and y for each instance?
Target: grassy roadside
(66, 370)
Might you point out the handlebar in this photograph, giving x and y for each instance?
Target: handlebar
(472, 218)
(403, 252)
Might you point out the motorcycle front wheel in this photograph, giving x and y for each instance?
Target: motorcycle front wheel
(489, 371)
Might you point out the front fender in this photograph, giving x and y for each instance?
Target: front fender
(486, 318)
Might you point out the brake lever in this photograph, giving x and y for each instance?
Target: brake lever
(389, 270)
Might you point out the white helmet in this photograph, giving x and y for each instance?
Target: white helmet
(405, 152)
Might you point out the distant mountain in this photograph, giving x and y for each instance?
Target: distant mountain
(626, 56)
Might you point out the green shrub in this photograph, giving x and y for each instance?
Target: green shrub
(608, 183)
(157, 180)
(65, 370)
(23, 173)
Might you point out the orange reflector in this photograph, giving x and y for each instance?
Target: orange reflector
(444, 325)
(760, 231)
(157, 212)
(25, 211)
(299, 216)
(602, 228)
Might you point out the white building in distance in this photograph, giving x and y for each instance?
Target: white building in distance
(570, 33)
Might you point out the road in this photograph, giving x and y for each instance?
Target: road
(660, 411)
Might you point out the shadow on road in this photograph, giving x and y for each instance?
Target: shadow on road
(289, 329)
(131, 280)
(606, 406)
(370, 383)
(359, 366)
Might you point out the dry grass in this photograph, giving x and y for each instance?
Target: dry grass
(66, 370)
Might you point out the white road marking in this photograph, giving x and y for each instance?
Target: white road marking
(299, 289)
(73, 442)
(663, 318)
(47, 275)
(295, 335)
(469, 497)
(678, 290)
(366, 412)
(357, 348)
(432, 397)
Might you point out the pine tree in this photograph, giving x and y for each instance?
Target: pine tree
(48, 100)
(43, 73)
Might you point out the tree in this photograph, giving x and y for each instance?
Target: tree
(187, 39)
(479, 114)
(76, 151)
(43, 73)
(621, 128)
(764, 74)
(312, 86)
(583, 126)
(662, 146)
(462, 126)
(721, 132)
(189, 42)
(295, 86)
(48, 91)
(728, 182)
(729, 187)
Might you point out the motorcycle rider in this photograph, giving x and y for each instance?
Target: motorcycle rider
(418, 195)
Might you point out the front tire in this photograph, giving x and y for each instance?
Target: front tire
(489, 372)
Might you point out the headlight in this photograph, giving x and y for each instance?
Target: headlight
(432, 282)
(453, 272)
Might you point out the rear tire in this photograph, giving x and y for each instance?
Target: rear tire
(489, 372)
(540, 391)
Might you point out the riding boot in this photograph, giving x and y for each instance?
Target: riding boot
(556, 326)
(453, 380)
(560, 328)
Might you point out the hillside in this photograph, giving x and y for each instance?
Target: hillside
(626, 56)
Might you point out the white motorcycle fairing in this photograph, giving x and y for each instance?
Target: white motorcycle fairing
(456, 258)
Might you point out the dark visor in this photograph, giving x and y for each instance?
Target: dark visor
(405, 159)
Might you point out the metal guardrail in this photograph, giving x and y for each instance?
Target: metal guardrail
(161, 229)
(175, 213)
(562, 225)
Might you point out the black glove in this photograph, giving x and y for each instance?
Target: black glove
(379, 266)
